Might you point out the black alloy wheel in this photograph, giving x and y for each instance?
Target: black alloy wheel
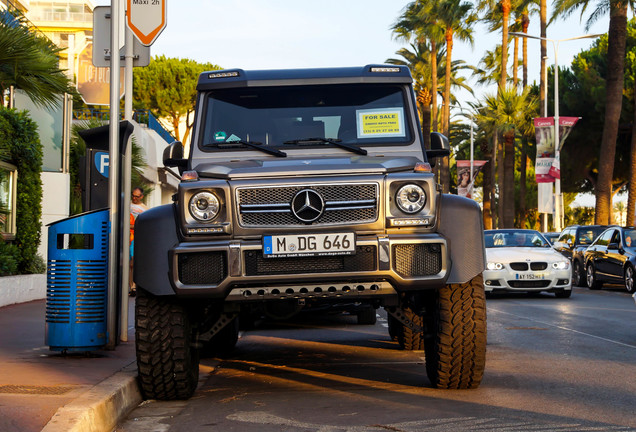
(592, 283)
(629, 279)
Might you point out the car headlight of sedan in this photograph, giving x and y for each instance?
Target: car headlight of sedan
(494, 266)
(561, 265)
(410, 198)
(204, 206)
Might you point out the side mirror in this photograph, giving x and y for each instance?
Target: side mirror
(173, 156)
(439, 148)
(612, 246)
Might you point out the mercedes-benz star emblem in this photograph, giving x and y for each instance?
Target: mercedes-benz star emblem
(307, 205)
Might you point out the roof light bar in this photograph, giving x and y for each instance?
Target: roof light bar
(385, 69)
(223, 74)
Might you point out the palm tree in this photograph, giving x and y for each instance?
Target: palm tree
(617, 37)
(505, 113)
(29, 62)
(631, 186)
(457, 18)
(523, 10)
(419, 22)
(498, 14)
(499, 10)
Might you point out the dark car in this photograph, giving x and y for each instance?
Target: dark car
(572, 243)
(552, 237)
(612, 258)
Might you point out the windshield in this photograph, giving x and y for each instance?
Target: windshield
(514, 238)
(588, 234)
(289, 116)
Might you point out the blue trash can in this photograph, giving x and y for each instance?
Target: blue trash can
(77, 282)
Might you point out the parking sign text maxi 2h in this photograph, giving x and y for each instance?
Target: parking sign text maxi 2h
(146, 19)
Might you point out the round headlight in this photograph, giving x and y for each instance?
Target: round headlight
(561, 265)
(494, 266)
(410, 198)
(204, 206)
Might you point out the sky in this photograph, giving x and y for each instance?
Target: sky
(274, 34)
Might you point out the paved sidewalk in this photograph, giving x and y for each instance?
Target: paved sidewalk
(43, 390)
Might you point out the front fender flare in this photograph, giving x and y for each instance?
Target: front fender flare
(461, 223)
(155, 236)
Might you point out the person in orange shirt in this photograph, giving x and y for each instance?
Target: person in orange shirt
(136, 208)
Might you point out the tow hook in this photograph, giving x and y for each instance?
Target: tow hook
(224, 319)
(398, 314)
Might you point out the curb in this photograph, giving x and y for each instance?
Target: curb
(102, 407)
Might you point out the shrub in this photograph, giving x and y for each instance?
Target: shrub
(9, 255)
(23, 149)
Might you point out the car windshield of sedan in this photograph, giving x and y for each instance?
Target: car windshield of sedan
(514, 238)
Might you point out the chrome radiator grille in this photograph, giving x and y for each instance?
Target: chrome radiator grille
(343, 204)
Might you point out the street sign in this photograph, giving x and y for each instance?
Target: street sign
(93, 83)
(146, 19)
(101, 41)
(102, 163)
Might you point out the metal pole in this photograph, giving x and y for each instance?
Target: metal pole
(125, 256)
(472, 151)
(545, 80)
(557, 152)
(545, 113)
(113, 168)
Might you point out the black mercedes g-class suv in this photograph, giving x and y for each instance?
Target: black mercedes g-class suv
(308, 187)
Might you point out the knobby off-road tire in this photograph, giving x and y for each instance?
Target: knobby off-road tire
(167, 361)
(455, 339)
(367, 316)
(222, 344)
(396, 330)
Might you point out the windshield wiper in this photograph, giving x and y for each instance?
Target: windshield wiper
(252, 144)
(336, 142)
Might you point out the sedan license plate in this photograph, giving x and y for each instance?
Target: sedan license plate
(309, 245)
(530, 276)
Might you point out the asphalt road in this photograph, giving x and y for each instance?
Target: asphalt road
(552, 365)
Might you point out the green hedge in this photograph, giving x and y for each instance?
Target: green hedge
(22, 148)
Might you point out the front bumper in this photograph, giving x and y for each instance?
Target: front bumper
(238, 270)
(505, 280)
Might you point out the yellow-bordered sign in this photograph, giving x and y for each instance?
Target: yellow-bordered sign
(379, 123)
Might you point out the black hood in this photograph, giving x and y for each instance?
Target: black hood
(305, 167)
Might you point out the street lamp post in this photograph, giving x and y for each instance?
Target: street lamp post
(558, 199)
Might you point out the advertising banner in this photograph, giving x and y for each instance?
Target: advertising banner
(464, 183)
(547, 166)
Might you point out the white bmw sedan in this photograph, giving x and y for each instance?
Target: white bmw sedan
(523, 260)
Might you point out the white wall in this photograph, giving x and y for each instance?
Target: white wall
(55, 203)
(165, 185)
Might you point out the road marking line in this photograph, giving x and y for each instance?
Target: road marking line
(564, 328)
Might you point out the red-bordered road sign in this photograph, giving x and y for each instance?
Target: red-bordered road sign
(146, 19)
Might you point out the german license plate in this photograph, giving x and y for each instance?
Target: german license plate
(309, 245)
(530, 276)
